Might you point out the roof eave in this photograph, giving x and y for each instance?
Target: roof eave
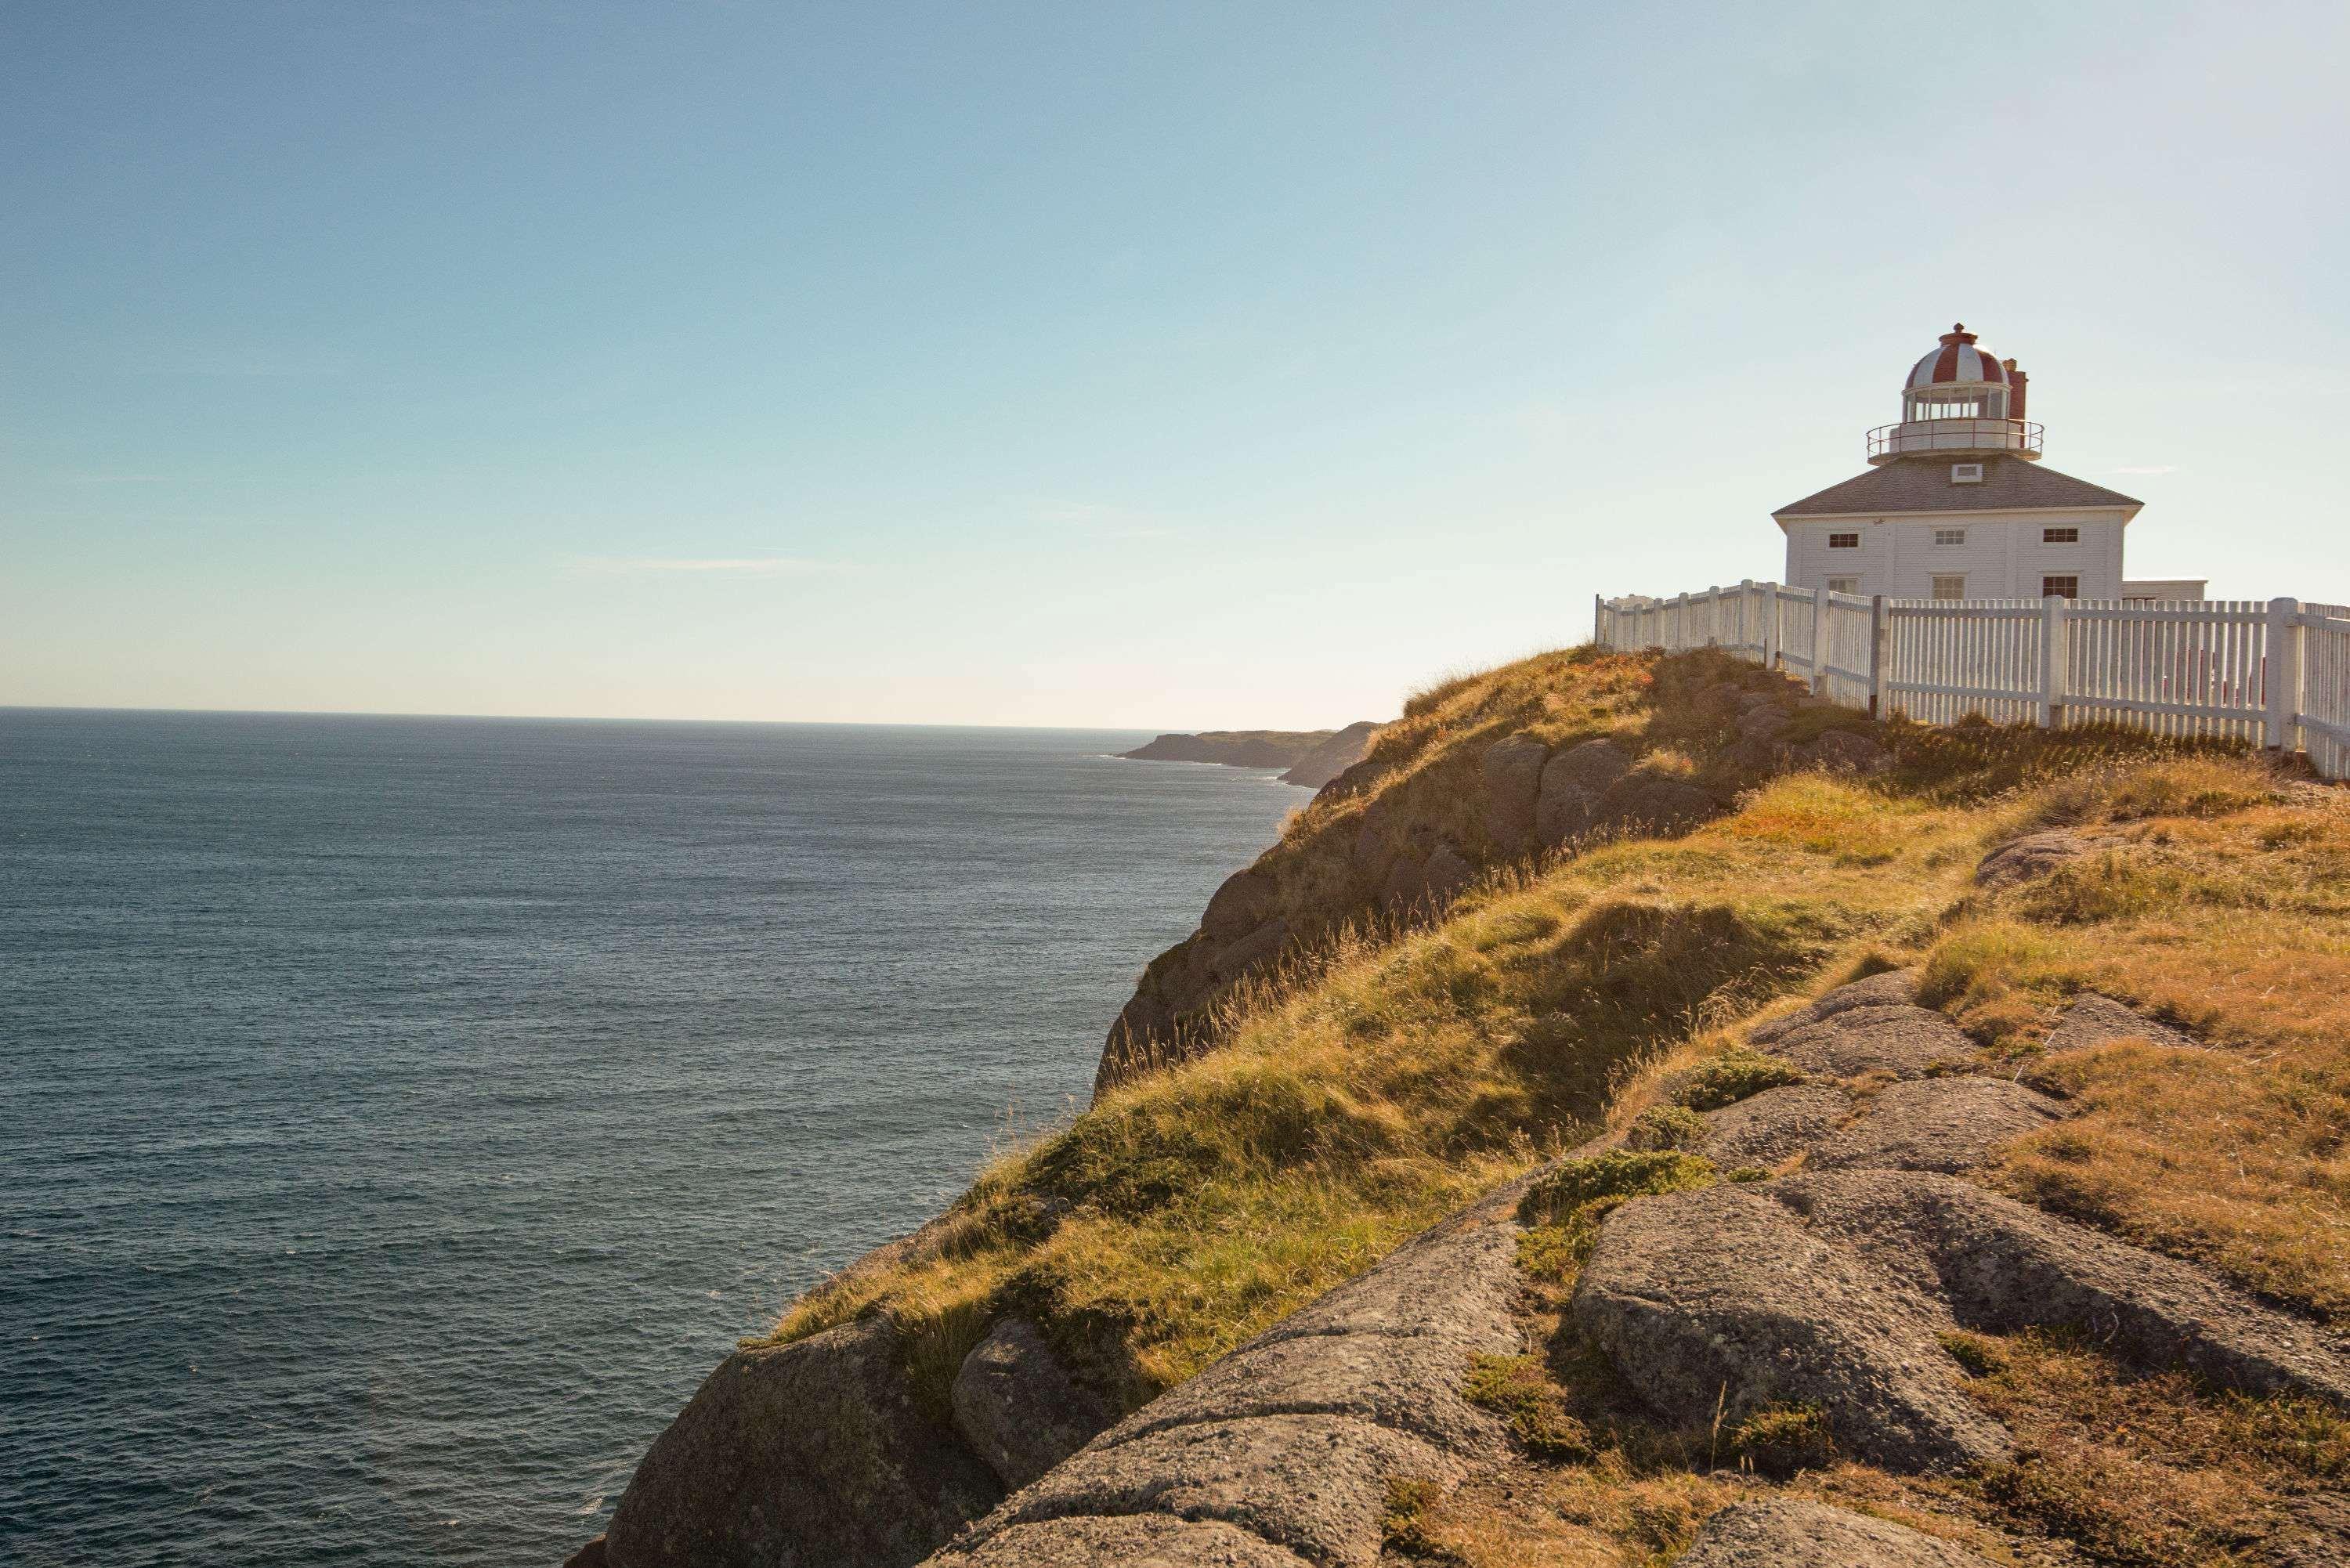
(1782, 518)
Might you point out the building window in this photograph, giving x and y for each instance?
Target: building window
(1953, 587)
(1844, 541)
(1965, 473)
(2060, 535)
(2060, 587)
(1844, 584)
(1949, 535)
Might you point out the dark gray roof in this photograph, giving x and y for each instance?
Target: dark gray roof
(1923, 483)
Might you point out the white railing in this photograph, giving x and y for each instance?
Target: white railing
(2274, 674)
(1954, 435)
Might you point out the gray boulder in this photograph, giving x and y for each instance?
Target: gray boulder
(2095, 1020)
(1406, 886)
(1019, 1408)
(1788, 1533)
(1133, 1540)
(1244, 902)
(1315, 1485)
(2002, 1266)
(1594, 766)
(1378, 839)
(795, 1456)
(1564, 812)
(1252, 952)
(1949, 1125)
(1410, 1383)
(2033, 855)
(1422, 887)
(1446, 875)
(1512, 773)
(1903, 1041)
(1773, 1126)
(1654, 804)
(1291, 1441)
(1896, 988)
(1719, 1299)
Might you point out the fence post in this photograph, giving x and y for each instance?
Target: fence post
(1878, 627)
(1681, 627)
(1599, 610)
(2055, 653)
(1819, 642)
(2281, 673)
(1771, 627)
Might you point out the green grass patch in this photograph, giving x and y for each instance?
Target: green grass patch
(1726, 1079)
(1517, 1389)
(1662, 1127)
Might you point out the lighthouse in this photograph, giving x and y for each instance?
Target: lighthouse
(1956, 503)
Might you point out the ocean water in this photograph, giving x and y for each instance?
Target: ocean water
(400, 1116)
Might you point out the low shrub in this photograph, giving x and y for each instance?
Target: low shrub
(1577, 1184)
(1564, 1208)
(1780, 1439)
(1665, 1127)
(1728, 1078)
(1515, 1389)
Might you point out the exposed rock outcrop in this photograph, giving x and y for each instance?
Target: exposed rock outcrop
(1720, 1301)
(1130, 1540)
(1948, 1124)
(2033, 855)
(1291, 1441)
(1018, 1406)
(2095, 1020)
(799, 1455)
(1908, 1041)
(1776, 1125)
(1512, 771)
(1789, 1533)
(2001, 1265)
(1896, 988)
(1830, 1292)
(1397, 839)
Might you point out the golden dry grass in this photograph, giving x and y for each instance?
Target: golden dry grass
(1366, 1094)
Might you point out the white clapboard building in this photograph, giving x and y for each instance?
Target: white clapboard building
(1956, 505)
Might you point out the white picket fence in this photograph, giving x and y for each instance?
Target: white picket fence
(2274, 674)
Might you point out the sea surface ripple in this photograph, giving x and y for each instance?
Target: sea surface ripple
(400, 1116)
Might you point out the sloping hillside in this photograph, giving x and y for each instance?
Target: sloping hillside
(2098, 1032)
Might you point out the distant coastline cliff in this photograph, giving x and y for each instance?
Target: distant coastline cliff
(1313, 757)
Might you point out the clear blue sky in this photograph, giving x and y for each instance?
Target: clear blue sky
(1148, 364)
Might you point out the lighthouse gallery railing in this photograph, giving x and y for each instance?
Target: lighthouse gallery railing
(2274, 674)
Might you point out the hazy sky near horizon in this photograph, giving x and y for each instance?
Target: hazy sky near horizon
(1173, 365)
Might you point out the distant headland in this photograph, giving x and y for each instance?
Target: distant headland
(1313, 757)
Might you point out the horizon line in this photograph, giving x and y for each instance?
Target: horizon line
(601, 719)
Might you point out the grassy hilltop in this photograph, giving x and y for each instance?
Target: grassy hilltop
(1391, 1071)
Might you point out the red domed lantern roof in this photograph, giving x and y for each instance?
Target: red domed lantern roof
(1958, 359)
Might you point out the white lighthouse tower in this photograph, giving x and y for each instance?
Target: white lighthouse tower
(1955, 504)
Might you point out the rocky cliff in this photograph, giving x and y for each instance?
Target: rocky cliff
(1674, 1122)
(1446, 793)
(1235, 748)
(1333, 756)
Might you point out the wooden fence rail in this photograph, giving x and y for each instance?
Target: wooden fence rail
(2274, 674)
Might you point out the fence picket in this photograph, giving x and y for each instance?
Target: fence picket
(2274, 673)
